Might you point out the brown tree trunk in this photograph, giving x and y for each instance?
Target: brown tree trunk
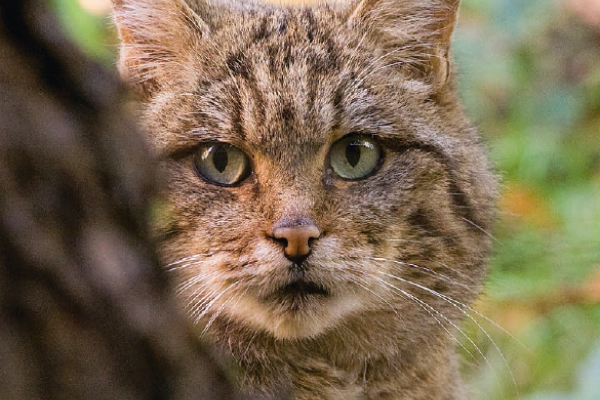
(85, 310)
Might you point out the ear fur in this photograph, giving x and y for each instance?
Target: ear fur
(413, 32)
(158, 38)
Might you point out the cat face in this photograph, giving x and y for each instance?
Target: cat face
(318, 164)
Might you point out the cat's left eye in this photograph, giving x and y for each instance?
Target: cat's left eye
(222, 164)
(355, 157)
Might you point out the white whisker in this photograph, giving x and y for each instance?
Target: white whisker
(186, 259)
(480, 228)
(220, 310)
(379, 297)
(455, 302)
(212, 302)
(461, 307)
(196, 279)
(428, 271)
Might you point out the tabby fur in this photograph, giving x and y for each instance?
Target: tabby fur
(402, 253)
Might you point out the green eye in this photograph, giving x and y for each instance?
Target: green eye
(221, 164)
(355, 157)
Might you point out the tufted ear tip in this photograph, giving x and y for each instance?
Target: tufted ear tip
(157, 39)
(427, 25)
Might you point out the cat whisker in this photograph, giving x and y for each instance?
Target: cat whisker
(447, 267)
(433, 312)
(206, 307)
(197, 299)
(456, 303)
(198, 303)
(480, 228)
(245, 353)
(220, 310)
(357, 47)
(186, 259)
(183, 287)
(193, 263)
(186, 284)
(401, 240)
(195, 280)
(428, 271)
(455, 270)
(186, 265)
(461, 307)
(493, 342)
(378, 296)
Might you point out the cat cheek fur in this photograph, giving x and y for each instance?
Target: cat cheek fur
(373, 310)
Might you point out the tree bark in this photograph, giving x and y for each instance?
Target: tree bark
(85, 309)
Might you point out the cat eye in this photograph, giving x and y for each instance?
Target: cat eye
(355, 157)
(221, 164)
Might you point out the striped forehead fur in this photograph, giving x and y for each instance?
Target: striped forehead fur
(156, 33)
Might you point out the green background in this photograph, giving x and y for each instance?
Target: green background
(530, 78)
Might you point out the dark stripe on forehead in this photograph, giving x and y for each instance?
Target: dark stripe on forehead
(237, 64)
(241, 66)
(258, 99)
(338, 109)
(308, 18)
(269, 25)
(286, 111)
(283, 25)
(236, 113)
(262, 32)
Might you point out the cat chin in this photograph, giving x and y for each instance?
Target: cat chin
(307, 322)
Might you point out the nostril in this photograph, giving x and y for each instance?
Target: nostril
(281, 240)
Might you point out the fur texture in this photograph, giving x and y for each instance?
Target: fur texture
(401, 253)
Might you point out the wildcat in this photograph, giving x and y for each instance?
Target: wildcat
(328, 200)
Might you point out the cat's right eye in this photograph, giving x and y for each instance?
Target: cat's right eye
(221, 164)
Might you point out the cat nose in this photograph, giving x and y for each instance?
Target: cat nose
(297, 240)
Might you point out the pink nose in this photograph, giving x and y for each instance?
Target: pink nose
(297, 240)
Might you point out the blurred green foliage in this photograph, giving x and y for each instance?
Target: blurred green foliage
(530, 78)
(586, 388)
(92, 32)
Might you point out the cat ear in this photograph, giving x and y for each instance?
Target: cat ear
(158, 38)
(412, 32)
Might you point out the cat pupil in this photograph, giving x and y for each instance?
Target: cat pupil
(353, 154)
(220, 159)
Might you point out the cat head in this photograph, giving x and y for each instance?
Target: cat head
(319, 165)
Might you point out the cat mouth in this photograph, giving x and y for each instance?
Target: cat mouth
(303, 288)
(297, 294)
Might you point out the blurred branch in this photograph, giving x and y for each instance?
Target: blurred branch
(85, 311)
(517, 312)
